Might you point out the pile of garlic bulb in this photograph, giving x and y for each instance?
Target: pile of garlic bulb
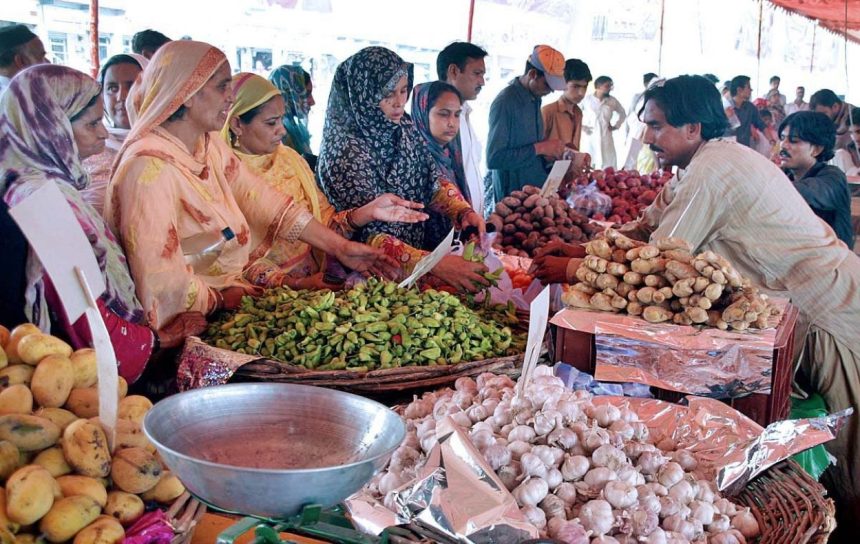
(582, 473)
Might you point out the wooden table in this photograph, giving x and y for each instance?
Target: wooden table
(211, 525)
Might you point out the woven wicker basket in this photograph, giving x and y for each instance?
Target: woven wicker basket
(791, 507)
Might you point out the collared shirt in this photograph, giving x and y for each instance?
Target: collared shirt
(733, 201)
(825, 189)
(473, 156)
(516, 126)
(794, 107)
(562, 120)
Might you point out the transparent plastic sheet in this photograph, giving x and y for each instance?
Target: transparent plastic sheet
(708, 361)
(456, 495)
(589, 200)
(731, 448)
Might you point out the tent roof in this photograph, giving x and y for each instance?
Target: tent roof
(829, 14)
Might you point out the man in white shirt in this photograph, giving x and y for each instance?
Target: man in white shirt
(19, 48)
(797, 104)
(461, 64)
(774, 89)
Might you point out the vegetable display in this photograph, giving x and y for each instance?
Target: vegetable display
(665, 282)
(528, 221)
(630, 191)
(60, 481)
(375, 325)
(580, 472)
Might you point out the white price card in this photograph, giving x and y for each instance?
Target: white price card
(555, 177)
(429, 261)
(538, 316)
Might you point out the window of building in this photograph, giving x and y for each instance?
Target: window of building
(58, 47)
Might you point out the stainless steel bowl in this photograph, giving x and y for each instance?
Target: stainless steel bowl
(269, 449)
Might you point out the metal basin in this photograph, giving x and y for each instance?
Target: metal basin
(269, 449)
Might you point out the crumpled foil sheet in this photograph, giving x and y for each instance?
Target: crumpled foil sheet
(698, 361)
(202, 365)
(456, 496)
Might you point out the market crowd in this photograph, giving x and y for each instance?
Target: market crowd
(169, 154)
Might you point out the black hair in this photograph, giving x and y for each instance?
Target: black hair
(8, 57)
(764, 112)
(576, 70)
(738, 83)
(824, 97)
(646, 79)
(712, 78)
(148, 39)
(530, 66)
(601, 80)
(437, 89)
(113, 61)
(811, 127)
(89, 105)
(178, 114)
(855, 116)
(690, 99)
(775, 79)
(457, 53)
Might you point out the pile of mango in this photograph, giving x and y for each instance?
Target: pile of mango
(60, 481)
(375, 325)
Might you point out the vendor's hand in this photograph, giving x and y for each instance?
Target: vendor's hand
(181, 327)
(391, 209)
(232, 296)
(471, 219)
(363, 258)
(553, 149)
(315, 282)
(560, 249)
(549, 269)
(461, 274)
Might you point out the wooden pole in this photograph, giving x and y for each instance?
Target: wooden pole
(660, 49)
(471, 20)
(812, 55)
(758, 46)
(94, 38)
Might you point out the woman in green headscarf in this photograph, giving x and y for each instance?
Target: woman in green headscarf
(254, 131)
(296, 88)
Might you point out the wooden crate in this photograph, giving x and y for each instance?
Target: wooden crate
(577, 349)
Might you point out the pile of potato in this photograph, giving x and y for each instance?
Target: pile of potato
(61, 482)
(666, 282)
(528, 221)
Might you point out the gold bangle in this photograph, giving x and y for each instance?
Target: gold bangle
(349, 222)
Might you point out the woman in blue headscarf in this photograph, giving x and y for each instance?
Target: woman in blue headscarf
(297, 89)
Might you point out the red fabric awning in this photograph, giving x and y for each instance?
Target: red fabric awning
(829, 14)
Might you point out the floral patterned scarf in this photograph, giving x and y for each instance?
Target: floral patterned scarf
(363, 154)
(38, 147)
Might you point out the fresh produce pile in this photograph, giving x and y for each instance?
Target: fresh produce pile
(666, 282)
(527, 221)
(60, 479)
(581, 473)
(372, 326)
(630, 191)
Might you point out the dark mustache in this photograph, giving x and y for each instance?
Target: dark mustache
(784, 153)
(655, 148)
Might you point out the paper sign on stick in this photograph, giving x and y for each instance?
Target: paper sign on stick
(52, 230)
(555, 177)
(538, 316)
(430, 260)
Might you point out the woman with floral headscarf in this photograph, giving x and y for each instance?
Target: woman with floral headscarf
(370, 146)
(174, 182)
(51, 119)
(296, 88)
(253, 129)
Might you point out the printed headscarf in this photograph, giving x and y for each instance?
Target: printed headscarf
(38, 147)
(293, 85)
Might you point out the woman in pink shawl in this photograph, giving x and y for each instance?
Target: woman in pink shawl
(50, 118)
(175, 180)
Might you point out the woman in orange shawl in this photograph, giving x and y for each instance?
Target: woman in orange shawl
(255, 135)
(174, 181)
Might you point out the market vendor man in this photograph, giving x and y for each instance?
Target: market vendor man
(730, 199)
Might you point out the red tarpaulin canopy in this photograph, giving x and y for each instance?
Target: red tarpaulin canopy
(830, 14)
